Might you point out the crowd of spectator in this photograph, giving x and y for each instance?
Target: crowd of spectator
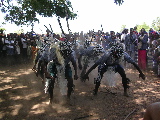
(142, 46)
(15, 49)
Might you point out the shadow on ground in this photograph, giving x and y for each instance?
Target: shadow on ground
(22, 97)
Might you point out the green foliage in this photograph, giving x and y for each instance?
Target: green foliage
(139, 27)
(2, 29)
(119, 2)
(122, 28)
(156, 24)
(19, 31)
(25, 12)
(144, 25)
(3, 23)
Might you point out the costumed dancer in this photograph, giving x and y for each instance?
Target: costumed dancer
(38, 55)
(77, 48)
(69, 56)
(80, 52)
(41, 53)
(55, 69)
(89, 55)
(113, 58)
(43, 61)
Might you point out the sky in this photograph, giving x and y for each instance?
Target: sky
(94, 13)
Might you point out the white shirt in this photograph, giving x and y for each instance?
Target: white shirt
(23, 42)
(10, 42)
(5, 41)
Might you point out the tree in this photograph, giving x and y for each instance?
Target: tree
(122, 28)
(118, 2)
(19, 31)
(24, 12)
(156, 24)
(1, 31)
(144, 25)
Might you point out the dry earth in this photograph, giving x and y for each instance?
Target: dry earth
(22, 97)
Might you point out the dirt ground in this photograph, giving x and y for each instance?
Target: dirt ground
(22, 97)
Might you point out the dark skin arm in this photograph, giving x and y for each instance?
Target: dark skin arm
(79, 62)
(130, 60)
(75, 68)
(48, 75)
(139, 70)
(95, 65)
(87, 73)
(39, 64)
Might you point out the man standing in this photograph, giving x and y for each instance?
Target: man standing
(24, 49)
(132, 40)
(142, 49)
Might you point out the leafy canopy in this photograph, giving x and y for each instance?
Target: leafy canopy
(119, 2)
(24, 12)
(156, 24)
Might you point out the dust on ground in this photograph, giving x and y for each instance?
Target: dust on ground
(22, 97)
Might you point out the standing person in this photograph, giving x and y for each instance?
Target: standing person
(142, 49)
(2, 38)
(111, 40)
(24, 48)
(136, 44)
(10, 50)
(33, 48)
(135, 30)
(1, 45)
(17, 50)
(156, 60)
(4, 48)
(151, 35)
(1, 42)
(132, 39)
(105, 41)
(124, 38)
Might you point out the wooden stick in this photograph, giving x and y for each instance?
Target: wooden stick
(110, 92)
(82, 117)
(130, 114)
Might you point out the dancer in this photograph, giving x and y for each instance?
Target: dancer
(112, 58)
